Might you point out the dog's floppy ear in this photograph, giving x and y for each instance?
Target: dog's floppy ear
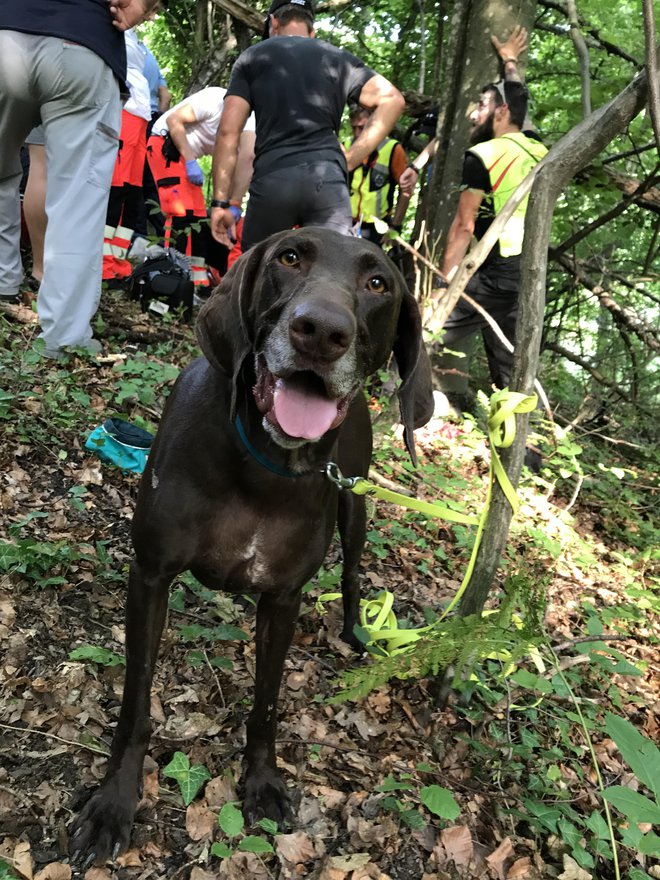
(225, 324)
(416, 389)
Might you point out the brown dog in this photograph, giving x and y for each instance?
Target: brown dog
(234, 489)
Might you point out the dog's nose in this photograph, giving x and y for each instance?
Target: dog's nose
(322, 330)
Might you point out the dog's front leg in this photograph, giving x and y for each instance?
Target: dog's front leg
(352, 523)
(103, 828)
(265, 792)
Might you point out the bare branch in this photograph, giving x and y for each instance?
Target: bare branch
(595, 374)
(623, 317)
(583, 57)
(243, 13)
(610, 48)
(608, 215)
(652, 68)
(635, 152)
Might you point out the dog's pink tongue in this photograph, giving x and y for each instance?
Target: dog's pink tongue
(302, 413)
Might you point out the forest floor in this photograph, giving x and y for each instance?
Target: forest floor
(362, 771)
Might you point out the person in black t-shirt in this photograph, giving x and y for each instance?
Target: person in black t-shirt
(298, 88)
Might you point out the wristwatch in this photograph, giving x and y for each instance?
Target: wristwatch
(219, 203)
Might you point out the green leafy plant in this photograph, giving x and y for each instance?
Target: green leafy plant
(232, 823)
(6, 871)
(95, 654)
(190, 777)
(643, 757)
(403, 796)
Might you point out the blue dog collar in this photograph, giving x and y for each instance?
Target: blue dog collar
(263, 461)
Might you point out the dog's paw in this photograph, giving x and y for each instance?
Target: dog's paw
(266, 797)
(352, 641)
(102, 831)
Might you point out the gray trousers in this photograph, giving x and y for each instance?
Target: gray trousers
(75, 95)
(308, 194)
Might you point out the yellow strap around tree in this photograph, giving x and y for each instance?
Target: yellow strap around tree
(377, 615)
(501, 431)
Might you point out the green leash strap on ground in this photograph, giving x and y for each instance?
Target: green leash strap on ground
(378, 620)
(360, 486)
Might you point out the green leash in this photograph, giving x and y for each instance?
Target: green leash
(376, 615)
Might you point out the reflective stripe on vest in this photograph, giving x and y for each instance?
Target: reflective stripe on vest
(508, 160)
(116, 242)
(372, 185)
(198, 272)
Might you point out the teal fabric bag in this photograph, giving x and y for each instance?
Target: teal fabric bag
(120, 443)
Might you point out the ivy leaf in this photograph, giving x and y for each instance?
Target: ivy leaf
(255, 844)
(649, 845)
(231, 820)
(390, 784)
(190, 778)
(413, 819)
(440, 801)
(221, 850)
(642, 755)
(94, 654)
(635, 807)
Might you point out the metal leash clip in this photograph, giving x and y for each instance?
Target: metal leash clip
(335, 476)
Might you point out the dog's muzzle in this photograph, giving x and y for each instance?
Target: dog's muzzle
(300, 405)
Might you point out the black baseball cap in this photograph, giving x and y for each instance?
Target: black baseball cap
(278, 4)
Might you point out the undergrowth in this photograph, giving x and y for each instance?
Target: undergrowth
(533, 700)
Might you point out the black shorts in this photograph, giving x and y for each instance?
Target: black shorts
(308, 194)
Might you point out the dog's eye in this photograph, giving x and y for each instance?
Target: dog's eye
(376, 284)
(289, 258)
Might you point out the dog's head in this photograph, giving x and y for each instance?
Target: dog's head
(318, 312)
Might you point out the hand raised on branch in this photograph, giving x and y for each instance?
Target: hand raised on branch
(511, 49)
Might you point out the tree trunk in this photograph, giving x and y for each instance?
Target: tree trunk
(569, 155)
(470, 63)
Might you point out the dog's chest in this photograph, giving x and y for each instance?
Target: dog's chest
(248, 552)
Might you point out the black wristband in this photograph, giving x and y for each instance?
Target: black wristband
(219, 203)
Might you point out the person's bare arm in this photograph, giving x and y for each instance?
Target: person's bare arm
(410, 176)
(388, 104)
(243, 171)
(510, 51)
(402, 203)
(461, 230)
(164, 99)
(176, 123)
(128, 13)
(235, 113)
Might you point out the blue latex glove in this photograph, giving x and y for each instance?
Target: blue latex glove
(194, 172)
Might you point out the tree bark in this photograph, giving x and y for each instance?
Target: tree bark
(471, 62)
(575, 150)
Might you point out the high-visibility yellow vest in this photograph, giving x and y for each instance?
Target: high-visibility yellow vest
(508, 160)
(372, 185)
